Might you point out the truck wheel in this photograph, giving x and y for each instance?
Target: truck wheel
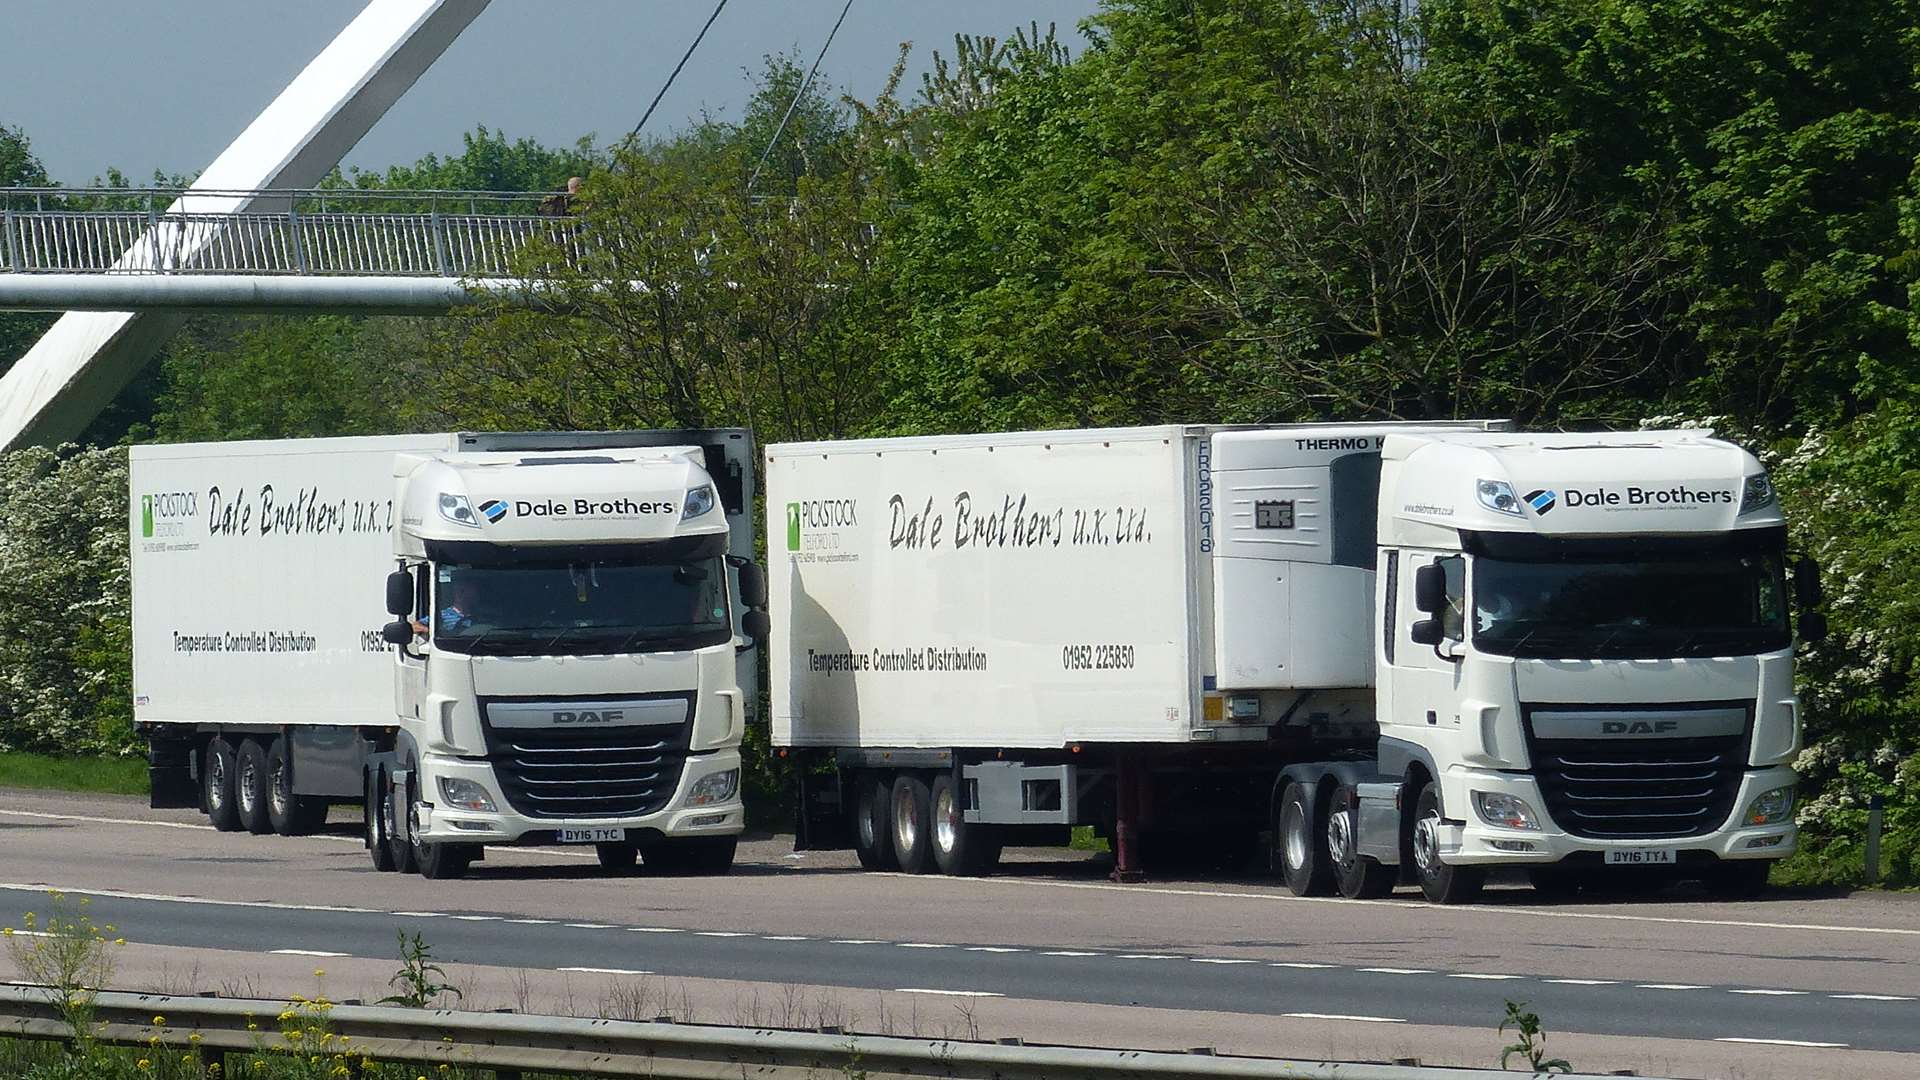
(1358, 877)
(704, 856)
(406, 853)
(251, 788)
(912, 823)
(218, 776)
(872, 835)
(617, 857)
(379, 837)
(1738, 879)
(1441, 883)
(960, 848)
(443, 862)
(1300, 844)
(290, 814)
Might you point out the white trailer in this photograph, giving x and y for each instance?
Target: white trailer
(1192, 638)
(569, 657)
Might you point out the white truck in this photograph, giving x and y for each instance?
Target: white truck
(571, 655)
(1388, 650)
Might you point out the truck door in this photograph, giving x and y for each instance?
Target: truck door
(1426, 678)
(410, 665)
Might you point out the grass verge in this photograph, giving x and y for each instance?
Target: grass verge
(111, 776)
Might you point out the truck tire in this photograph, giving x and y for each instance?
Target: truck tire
(218, 777)
(911, 823)
(406, 854)
(1300, 844)
(443, 862)
(619, 858)
(290, 814)
(379, 838)
(700, 857)
(1441, 883)
(1358, 877)
(872, 834)
(1738, 879)
(251, 788)
(960, 848)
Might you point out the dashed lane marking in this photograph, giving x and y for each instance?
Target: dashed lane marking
(920, 945)
(784, 937)
(306, 952)
(1771, 993)
(583, 925)
(1584, 982)
(1219, 960)
(1301, 965)
(1786, 1042)
(1869, 997)
(1345, 1016)
(1068, 952)
(1668, 986)
(721, 933)
(1147, 956)
(656, 930)
(948, 993)
(1396, 971)
(1482, 976)
(605, 971)
(993, 948)
(858, 941)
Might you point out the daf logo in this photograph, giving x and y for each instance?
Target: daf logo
(589, 716)
(1639, 727)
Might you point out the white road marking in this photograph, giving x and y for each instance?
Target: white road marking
(919, 945)
(993, 948)
(1465, 911)
(478, 918)
(1218, 960)
(1787, 1042)
(532, 922)
(1398, 971)
(1869, 997)
(1488, 978)
(305, 952)
(1303, 965)
(1667, 986)
(418, 914)
(1068, 952)
(583, 925)
(1147, 956)
(948, 993)
(1771, 993)
(656, 930)
(1345, 1016)
(784, 937)
(122, 894)
(721, 933)
(858, 941)
(605, 971)
(1585, 982)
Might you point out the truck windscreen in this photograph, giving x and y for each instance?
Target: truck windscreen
(1722, 604)
(599, 606)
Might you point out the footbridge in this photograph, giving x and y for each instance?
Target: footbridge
(356, 250)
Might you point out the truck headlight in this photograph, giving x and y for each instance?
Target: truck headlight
(457, 509)
(1506, 811)
(465, 795)
(1770, 807)
(1497, 495)
(699, 501)
(1757, 494)
(714, 788)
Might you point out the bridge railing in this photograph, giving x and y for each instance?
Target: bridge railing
(318, 232)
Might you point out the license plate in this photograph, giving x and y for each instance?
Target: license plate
(1639, 856)
(593, 836)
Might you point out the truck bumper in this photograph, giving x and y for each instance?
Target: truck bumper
(439, 823)
(1478, 843)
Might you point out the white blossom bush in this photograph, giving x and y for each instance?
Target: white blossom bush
(65, 634)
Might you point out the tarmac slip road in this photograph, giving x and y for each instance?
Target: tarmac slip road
(1839, 973)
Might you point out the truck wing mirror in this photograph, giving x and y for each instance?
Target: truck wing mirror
(1427, 631)
(1807, 593)
(1430, 589)
(753, 585)
(758, 626)
(397, 632)
(399, 592)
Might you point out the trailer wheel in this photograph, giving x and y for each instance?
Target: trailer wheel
(960, 848)
(251, 786)
(291, 815)
(912, 822)
(872, 834)
(219, 785)
(1300, 844)
(1359, 877)
(1441, 883)
(379, 837)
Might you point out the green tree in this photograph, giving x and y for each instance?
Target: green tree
(19, 168)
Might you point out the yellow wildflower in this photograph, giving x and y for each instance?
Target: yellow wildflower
(143, 1063)
(159, 1021)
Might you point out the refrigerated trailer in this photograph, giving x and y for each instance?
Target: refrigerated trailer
(1370, 651)
(567, 651)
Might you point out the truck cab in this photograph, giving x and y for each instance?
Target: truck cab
(567, 657)
(1584, 663)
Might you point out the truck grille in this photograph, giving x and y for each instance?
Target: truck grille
(598, 772)
(1621, 789)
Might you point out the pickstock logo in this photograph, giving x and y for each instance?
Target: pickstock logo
(1543, 501)
(813, 524)
(165, 513)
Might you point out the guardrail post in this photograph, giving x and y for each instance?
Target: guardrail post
(13, 243)
(293, 230)
(440, 244)
(1876, 805)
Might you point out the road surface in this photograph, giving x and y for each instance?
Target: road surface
(1698, 987)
